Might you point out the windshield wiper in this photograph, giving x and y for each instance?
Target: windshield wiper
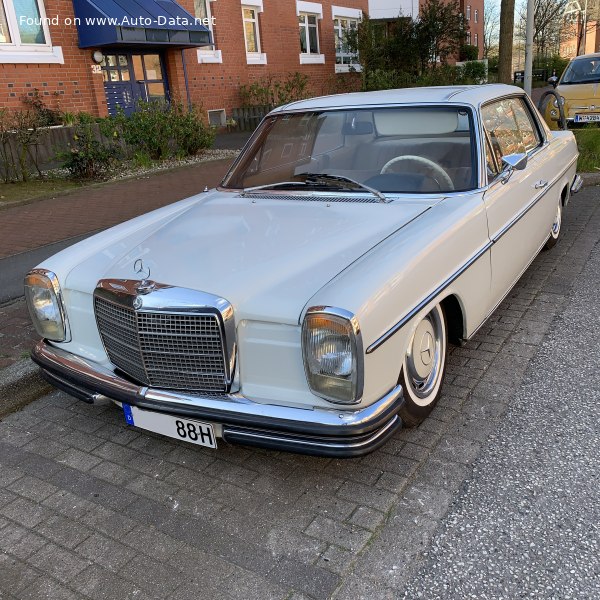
(343, 182)
(268, 186)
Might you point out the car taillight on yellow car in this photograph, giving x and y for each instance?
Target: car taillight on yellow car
(44, 300)
(333, 356)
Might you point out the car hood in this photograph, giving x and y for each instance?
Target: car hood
(585, 92)
(266, 256)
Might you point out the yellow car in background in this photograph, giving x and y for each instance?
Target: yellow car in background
(579, 91)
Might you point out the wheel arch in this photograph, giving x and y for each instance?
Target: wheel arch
(455, 319)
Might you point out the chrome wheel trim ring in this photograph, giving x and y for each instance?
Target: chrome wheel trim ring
(555, 231)
(425, 358)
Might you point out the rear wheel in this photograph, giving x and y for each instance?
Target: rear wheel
(556, 227)
(424, 367)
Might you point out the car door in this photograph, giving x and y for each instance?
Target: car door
(520, 208)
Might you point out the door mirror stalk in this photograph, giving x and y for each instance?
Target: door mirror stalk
(512, 163)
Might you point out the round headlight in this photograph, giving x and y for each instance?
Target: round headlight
(332, 351)
(44, 300)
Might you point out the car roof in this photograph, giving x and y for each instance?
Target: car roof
(465, 94)
(588, 56)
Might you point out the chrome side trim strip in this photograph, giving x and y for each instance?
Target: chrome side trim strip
(390, 332)
(393, 330)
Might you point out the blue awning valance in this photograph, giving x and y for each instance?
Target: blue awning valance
(137, 22)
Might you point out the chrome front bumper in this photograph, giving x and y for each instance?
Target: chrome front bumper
(311, 430)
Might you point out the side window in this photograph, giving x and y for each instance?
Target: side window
(510, 127)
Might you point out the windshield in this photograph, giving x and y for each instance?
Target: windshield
(582, 70)
(407, 149)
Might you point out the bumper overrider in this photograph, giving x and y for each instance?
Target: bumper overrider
(311, 430)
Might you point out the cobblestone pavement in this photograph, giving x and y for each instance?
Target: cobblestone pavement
(92, 509)
(17, 334)
(29, 226)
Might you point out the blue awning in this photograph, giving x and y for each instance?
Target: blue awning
(137, 22)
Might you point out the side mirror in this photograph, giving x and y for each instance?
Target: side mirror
(553, 81)
(511, 163)
(515, 161)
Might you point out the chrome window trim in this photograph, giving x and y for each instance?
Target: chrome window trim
(53, 278)
(358, 341)
(395, 328)
(169, 299)
(544, 142)
(473, 111)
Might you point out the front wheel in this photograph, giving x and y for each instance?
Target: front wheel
(556, 226)
(424, 367)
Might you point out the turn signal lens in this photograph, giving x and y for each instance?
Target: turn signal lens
(42, 292)
(331, 358)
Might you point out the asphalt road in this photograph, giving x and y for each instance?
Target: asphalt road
(527, 524)
(13, 268)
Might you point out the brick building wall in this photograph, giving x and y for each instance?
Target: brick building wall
(70, 86)
(73, 86)
(473, 11)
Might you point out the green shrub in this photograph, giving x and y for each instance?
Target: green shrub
(148, 129)
(270, 91)
(44, 115)
(469, 52)
(474, 72)
(190, 134)
(88, 157)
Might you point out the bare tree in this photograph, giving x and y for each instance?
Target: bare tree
(507, 24)
(548, 23)
(491, 18)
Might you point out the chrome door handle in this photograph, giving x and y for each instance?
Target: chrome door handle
(541, 184)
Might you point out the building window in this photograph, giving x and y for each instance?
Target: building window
(477, 40)
(476, 16)
(468, 12)
(468, 37)
(207, 54)
(252, 35)
(309, 14)
(309, 34)
(24, 34)
(341, 27)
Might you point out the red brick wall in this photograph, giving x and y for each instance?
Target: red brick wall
(475, 28)
(71, 86)
(74, 87)
(217, 85)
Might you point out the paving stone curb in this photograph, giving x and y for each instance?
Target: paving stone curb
(20, 384)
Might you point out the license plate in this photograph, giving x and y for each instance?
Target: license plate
(587, 118)
(195, 432)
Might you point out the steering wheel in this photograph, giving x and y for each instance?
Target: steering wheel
(423, 161)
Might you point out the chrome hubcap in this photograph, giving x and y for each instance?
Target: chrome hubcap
(425, 358)
(557, 222)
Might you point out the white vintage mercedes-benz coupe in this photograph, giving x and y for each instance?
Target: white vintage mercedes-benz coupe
(308, 302)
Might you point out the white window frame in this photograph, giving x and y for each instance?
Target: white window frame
(476, 16)
(352, 14)
(17, 52)
(253, 58)
(312, 9)
(469, 38)
(209, 54)
(476, 43)
(468, 13)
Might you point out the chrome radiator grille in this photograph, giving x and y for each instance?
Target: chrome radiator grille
(164, 350)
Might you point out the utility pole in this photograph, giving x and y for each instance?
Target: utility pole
(527, 84)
